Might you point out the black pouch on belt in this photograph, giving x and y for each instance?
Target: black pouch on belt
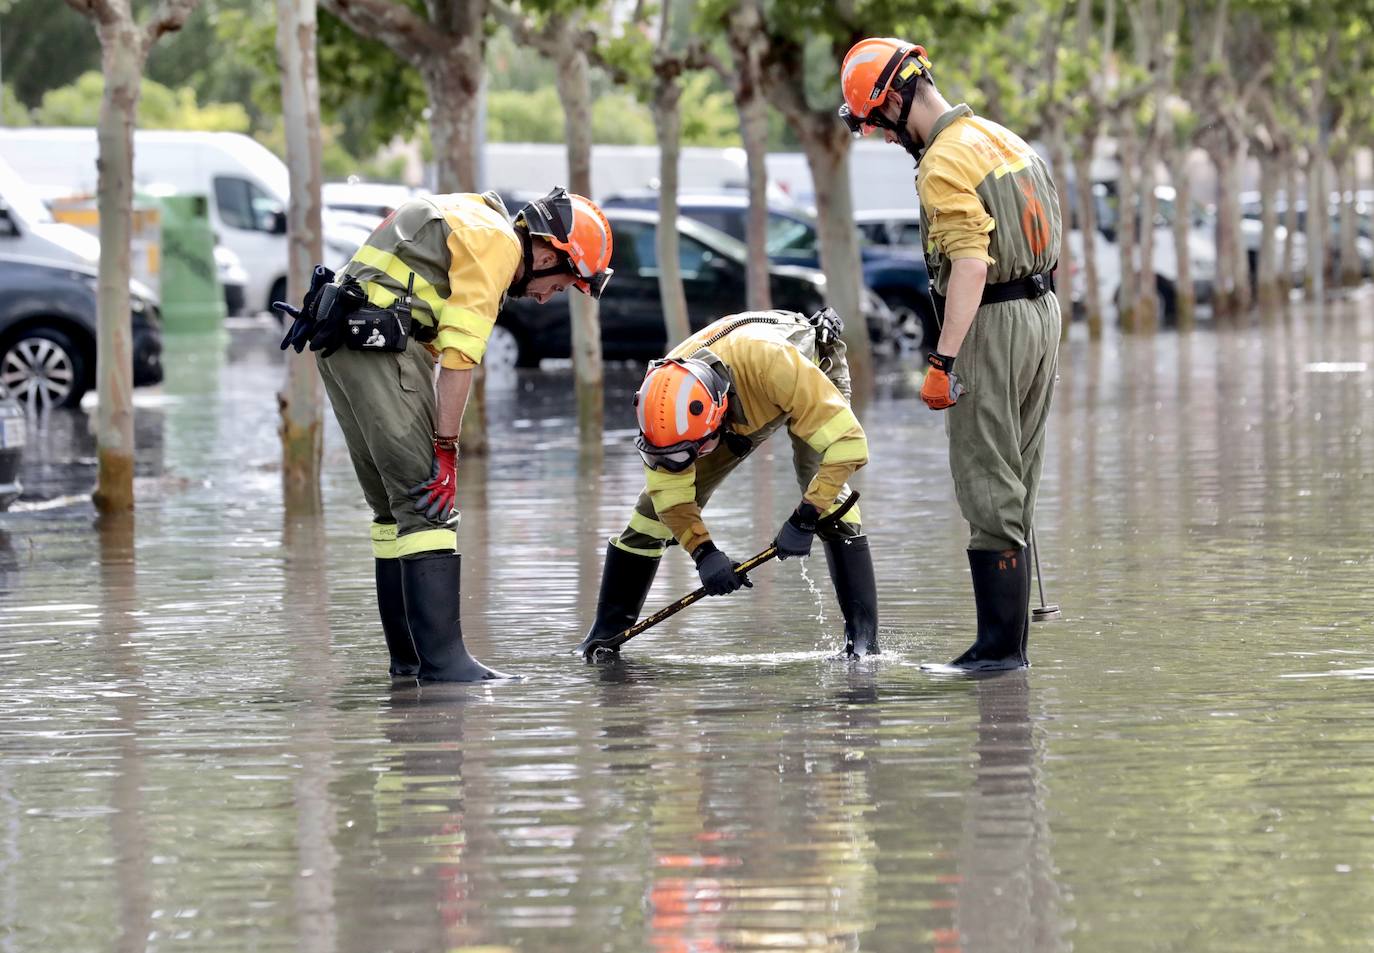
(378, 329)
(382, 329)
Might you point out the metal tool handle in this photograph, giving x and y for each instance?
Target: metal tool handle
(744, 568)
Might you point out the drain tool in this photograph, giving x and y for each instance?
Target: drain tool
(611, 643)
(1042, 612)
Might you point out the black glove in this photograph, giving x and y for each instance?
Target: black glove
(299, 333)
(336, 303)
(717, 573)
(794, 539)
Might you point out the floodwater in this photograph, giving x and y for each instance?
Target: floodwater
(201, 749)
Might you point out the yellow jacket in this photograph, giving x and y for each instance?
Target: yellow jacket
(463, 252)
(772, 364)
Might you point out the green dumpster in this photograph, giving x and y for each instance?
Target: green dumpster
(192, 299)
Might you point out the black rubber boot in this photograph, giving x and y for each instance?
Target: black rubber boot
(432, 588)
(1001, 591)
(625, 582)
(851, 570)
(391, 604)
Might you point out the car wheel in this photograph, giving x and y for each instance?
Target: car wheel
(915, 330)
(43, 368)
(503, 351)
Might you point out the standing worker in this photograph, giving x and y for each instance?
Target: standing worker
(704, 408)
(425, 288)
(990, 216)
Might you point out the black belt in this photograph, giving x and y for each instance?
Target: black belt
(1030, 287)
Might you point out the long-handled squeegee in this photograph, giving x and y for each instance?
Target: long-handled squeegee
(613, 642)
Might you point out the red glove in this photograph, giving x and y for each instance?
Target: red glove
(941, 389)
(434, 497)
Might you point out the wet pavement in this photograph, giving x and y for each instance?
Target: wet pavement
(200, 749)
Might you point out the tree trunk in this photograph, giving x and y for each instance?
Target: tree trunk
(1147, 291)
(827, 154)
(1185, 296)
(122, 59)
(668, 126)
(575, 91)
(1087, 229)
(745, 32)
(1288, 260)
(301, 400)
(1224, 302)
(453, 85)
(1230, 204)
(1060, 170)
(1351, 270)
(1127, 229)
(1316, 224)
(1268, 285)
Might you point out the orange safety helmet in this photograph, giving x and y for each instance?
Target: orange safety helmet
(681, 407)
(578, 228)
(872, 69)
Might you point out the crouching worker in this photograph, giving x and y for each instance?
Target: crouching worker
(425, 289)
(702, 410)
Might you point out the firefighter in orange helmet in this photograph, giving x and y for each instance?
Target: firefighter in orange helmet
(704, 408)
(990, 220)
(425, 289)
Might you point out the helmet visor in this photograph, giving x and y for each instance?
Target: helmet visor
(593, 286)
(675, 458)
(858, 126)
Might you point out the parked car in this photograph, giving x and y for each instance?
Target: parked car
(48, 331)
(247, 186)
(12, 438)
(374, 199)
(896, 274)
(902, 227)
(1252, 209)
(713, 275)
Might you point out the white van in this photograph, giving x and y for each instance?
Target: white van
(28, 230)
(248, 189)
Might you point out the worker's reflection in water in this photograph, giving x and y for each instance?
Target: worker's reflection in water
(1007, 897)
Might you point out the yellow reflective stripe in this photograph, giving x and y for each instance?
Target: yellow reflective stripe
(848, 450)
(651, 553)
(471, 345)
(651, 528)
(427, 541)
(381, 297)
(398, 271)
(671, 489)
(1010, 167)
(384, 540)
(841, 423)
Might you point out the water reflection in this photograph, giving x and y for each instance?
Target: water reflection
(200, 742)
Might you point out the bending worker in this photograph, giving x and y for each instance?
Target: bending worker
(424, 289)
(990, 216)
(702, 410)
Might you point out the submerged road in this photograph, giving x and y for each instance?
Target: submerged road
(201, 749)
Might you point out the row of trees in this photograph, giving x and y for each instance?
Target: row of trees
(1163, 78)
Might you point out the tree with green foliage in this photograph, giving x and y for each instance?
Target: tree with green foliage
(78, 104)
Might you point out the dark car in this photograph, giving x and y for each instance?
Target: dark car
(897, 275)
(713, 277)
(48, 332)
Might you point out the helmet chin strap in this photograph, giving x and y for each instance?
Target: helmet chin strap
(521, 288)
(910, 143)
